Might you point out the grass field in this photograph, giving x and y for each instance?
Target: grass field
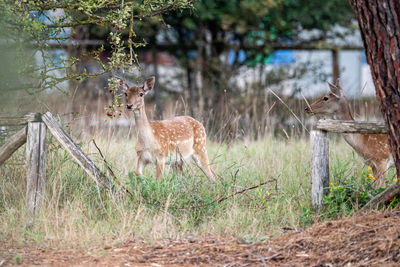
(76, 214)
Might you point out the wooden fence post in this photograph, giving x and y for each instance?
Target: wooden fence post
(319, 167)
(35, 166)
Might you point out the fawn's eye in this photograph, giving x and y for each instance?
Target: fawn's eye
(326, 98)
(126, 94)
(141, 94)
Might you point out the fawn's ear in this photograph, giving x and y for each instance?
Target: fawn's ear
(336, 89)
(149, 84)
(339, 84)
(125, 87)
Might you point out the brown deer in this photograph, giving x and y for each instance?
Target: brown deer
(373, 148)
(173, 140)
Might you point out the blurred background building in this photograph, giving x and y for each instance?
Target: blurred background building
(223, 62)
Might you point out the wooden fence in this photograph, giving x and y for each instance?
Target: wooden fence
(35, 130)
(320, 151)
(34, 135)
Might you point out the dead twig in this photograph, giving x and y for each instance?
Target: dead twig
(111, 171)
(290, 110)
(234, 194)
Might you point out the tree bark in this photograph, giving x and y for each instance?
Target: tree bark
(380, 30)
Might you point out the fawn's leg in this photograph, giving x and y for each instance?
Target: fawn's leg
(160, 168)
(201, 160)
(141, 163)
(379, 170)
(178, 168)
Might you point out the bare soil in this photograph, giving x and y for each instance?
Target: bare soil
(364, 240)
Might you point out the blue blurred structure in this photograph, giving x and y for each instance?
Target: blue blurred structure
(232, 57)
(278, 57)
(281, 57)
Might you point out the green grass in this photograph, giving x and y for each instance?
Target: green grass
(75, 213)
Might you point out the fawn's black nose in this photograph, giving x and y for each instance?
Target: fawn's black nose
(129, 106)
(307, 109)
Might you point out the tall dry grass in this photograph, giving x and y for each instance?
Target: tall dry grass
(257, 141)
(76, 214)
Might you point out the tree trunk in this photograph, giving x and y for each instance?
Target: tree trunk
(199, 79)
(335, 64)
(157, 97)
(380, 30)
(192, 88)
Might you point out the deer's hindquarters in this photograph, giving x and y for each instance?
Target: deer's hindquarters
(379, 170)
(176, 141)
(375, 150)
(175, 138)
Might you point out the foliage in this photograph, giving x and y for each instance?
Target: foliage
(257, 25)
(351, 194)
(18, 259)
(34, 27)
(218, 37)
(210, 29)
(348, 192)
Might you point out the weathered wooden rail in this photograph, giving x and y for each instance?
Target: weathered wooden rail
(34, 135)
(339, 126)
(320, 151)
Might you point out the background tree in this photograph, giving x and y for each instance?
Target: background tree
(217, 37)
(255, 27)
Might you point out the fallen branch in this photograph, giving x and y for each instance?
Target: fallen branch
(379, 200)
(111, 171)
(234, 194)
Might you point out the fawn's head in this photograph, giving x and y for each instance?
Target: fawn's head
(135, 94)
(330, 103)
